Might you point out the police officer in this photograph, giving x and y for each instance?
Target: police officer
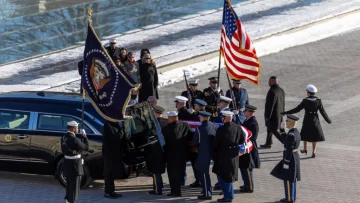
(226, 148)
(288, 169)
(155, 161)
(249, 161)
(199, 106)
(112, 150)
(223, 106)
(212, 96)
(183, 113)
(112, 50)
(72, 145)
(203, 138)
(241, 98)
(194, 92)
(177, 135)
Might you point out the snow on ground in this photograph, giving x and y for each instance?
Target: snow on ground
(261, 19)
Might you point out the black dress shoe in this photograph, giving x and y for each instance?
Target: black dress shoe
(303, 151)
(195, 184)
(242, 187)
(154, 193)
(246, 190)
(112, 195)
(265, 146)
(287, 201)
(204, 197)
(174, 195)
(224, 200)
(217, 186)
(313, 155)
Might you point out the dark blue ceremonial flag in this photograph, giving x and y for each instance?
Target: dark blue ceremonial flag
(108, 87)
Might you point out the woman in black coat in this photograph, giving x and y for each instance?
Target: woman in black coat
(148, 78)
(311, 130)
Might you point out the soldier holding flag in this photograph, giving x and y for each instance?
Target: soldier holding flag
(192, 93)
(240, 96)
(212, 96)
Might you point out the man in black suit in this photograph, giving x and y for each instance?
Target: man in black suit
(112, 50)
(275, 104)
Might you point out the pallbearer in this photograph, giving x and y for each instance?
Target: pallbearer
(199, 106)
(183, 113)
(224, 103)
(288, 169)
(72, 145)
(203, 138)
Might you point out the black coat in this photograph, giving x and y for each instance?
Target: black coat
(212, 99)
(194, 95)
(311, 130)
(291, 157)
(113, 53)
(149, 81)
(183, 114)
(162, 122)
(226, 148)
(177, 135)
(72, 145)
(114, 143)
(251, 160)
(275, 104)
(203, 138)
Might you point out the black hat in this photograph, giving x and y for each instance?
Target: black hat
(250, 108)
(158, 109)
(236, 81)
(213, 79)
(292, 117)
(200, 102)
(204, 113)
(117, 58)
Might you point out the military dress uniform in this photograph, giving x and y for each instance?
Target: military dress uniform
(183, 113)
(241, 99)
(203, 139)
(196, 114)
(290, 174)
(226, 100)
(226, 161)
(249, 161)
(212, 97)
(197, 94)
(72, 145)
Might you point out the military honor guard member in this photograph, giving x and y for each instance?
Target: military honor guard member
(288, 169)
(241, 98)
(203, 139)
(223, 106)
(274, 105)
(226, 158)
(194, 92)
(72, 145)
(249, 161)
(212, 96)
(112, 149)
(311, 130)
(112, 50)
(155, 161)
(199, 106)
(177, 135)
(183, 113)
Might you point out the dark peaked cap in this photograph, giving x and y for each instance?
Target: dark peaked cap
(292, 117)
(250, 107)
(158, 109)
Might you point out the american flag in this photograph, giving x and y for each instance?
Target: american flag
(237, 49)
(243, 149)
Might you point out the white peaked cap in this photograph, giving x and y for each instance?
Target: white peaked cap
(193, 81)
(73, 124)
(227, 113)
(172, 113)
(112, 41)
(226, 99)
(181, 99)
(311, 88)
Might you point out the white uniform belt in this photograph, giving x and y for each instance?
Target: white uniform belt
(73, 157)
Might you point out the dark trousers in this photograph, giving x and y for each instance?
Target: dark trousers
(290, 190)
(72, 188)
(227, 188)
(176, 175)
(247, 176)
(271, 132)
(109, 176)
(183, 181)
(192, 159)
(157, 183)
(206, 184)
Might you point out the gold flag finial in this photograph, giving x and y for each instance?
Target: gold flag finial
(89, 14)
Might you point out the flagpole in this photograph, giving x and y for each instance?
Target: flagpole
(219, 65)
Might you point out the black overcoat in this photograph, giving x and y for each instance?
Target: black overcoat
(311, 130)
(149, 81)
(113, 53)
(291, 157)
(226, 158)
(251, 160)
(203, 139)
(275, 104)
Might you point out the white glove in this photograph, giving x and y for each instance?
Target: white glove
(286, 166)
(83, 132)
(282, 125)
(191, 111)
(242, 109)
(236, 112)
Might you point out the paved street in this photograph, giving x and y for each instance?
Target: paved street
(330, 64)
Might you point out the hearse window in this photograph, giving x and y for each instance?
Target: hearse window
(14, 120)
(57, 123)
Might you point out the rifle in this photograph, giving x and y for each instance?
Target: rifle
(189, 103)
(231, 92)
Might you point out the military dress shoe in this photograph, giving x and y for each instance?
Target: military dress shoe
(203, 197)
(265, 146)
(112, 195)
(173, 195)
(246, 190)
(224, 200)
(287, 201)
(154, 193)
(195, 184)
(217, 186)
